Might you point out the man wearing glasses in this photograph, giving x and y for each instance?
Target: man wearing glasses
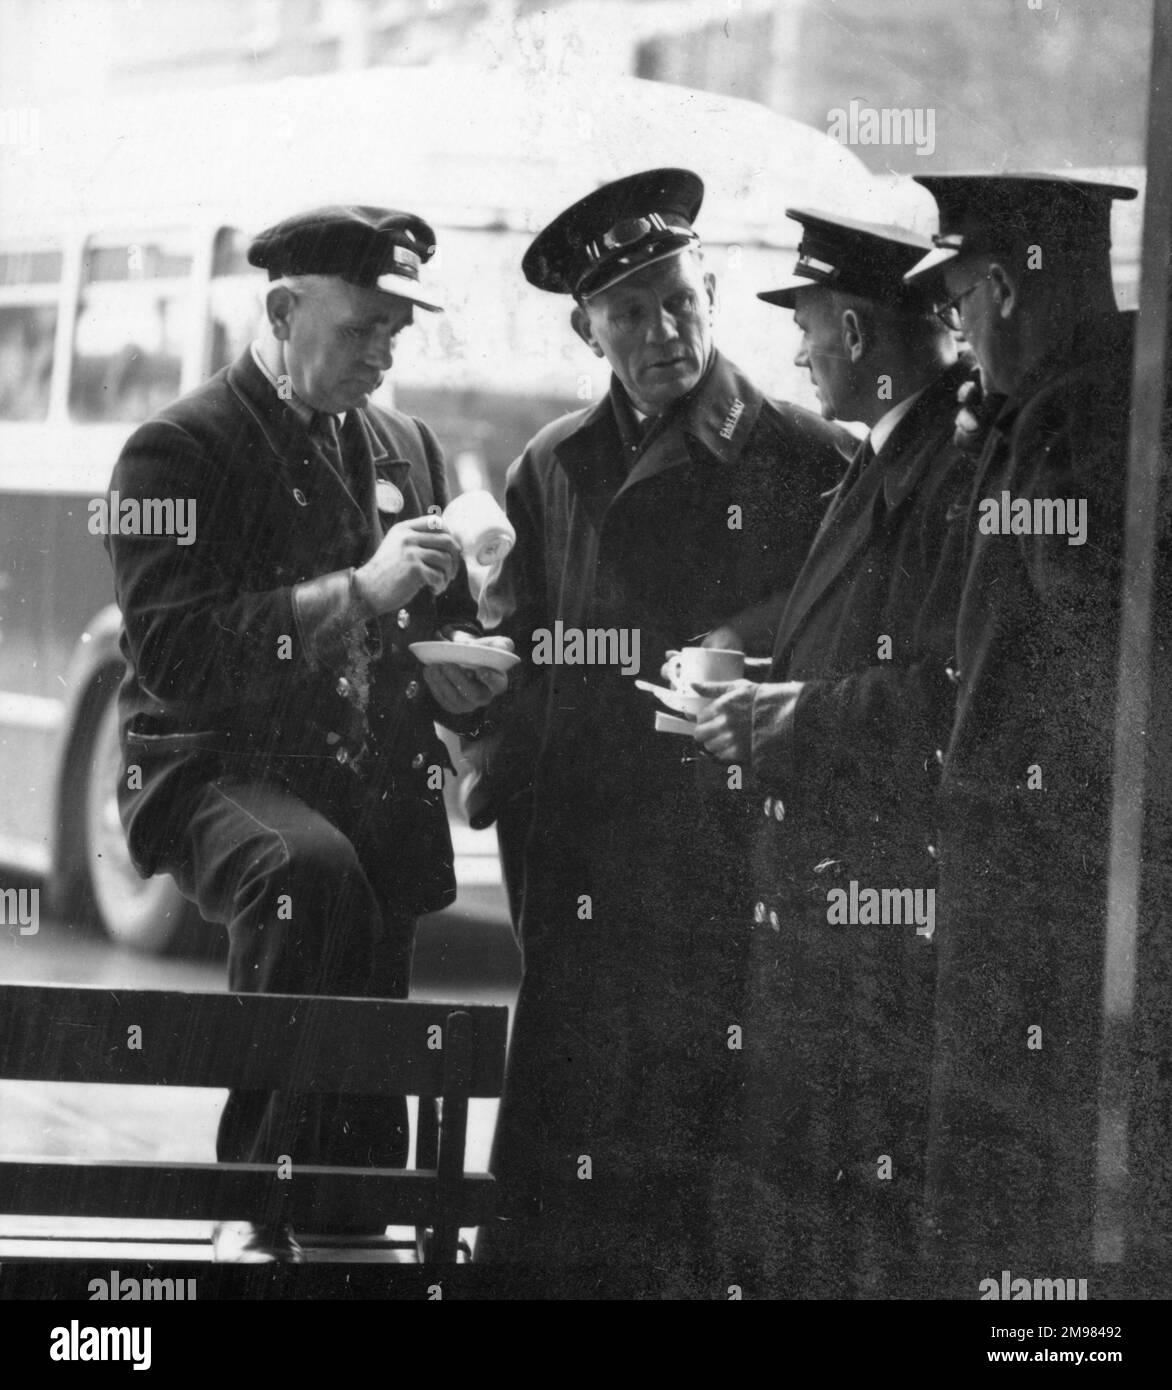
(840, 743)
(1026, 783)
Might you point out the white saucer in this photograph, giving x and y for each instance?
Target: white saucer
(682, 701)
(463, 654)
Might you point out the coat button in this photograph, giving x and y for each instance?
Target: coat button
(343, 686)
(333, 738)
(774, 920)
(768, 806)
(759, 912)
(953, 674)
(342, 756)
(779, 809)
(412, 690)
(403, 618)
(933, 852)
(417, 761)
(940, 756)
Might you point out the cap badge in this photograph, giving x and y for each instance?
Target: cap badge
(625, 233)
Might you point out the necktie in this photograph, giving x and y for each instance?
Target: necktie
(325, 434)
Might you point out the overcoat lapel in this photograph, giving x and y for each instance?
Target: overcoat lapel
(850, 520)
(845, 529)
(592, 458)
(291, 449)
(369, 459)
(718, 416)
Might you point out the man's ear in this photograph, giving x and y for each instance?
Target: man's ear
(710, 286)
(853, 341)
(1003, 288)
(580, 322)
(279, 304)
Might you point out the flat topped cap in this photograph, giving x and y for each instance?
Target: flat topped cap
(994, 212)
(615, 231)
(376, 248)
(864, 258)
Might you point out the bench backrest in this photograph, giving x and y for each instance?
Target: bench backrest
(444, 1052)
(249, 1041)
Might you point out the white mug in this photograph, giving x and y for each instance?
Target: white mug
(705, 664)
(482, 530)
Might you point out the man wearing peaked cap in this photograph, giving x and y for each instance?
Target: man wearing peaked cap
(278, 733)
(672, 510)
(1051, 235)
(1025, 795)
(371, 247)
(842, 736)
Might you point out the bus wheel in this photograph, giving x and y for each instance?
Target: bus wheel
(146, 914)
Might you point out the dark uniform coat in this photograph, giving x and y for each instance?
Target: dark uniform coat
(1025, 839)
(633, 869)
(837, 1018)
(223, 674)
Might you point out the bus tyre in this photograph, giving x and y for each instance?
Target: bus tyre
(150, 914)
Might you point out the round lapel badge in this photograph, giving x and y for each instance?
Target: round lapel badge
(387, 496)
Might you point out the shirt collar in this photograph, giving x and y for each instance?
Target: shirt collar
(302, 409)
(884, 427)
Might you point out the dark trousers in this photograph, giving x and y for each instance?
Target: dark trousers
(301, 881)
(619, 1051)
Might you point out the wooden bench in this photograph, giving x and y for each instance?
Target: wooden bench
(446, 1054)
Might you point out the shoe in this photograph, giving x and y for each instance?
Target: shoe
(242, 1243)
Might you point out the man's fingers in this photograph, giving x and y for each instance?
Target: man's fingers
(495, 682)
(446, 691)
(708, 726)
(439, 543)
(463, 688)
(713, 690)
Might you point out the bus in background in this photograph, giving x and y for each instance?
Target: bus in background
(124, 283)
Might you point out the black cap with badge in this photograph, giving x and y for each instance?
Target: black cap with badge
(1070, 219)
(615, 231)
(864, 258)
(375, 248)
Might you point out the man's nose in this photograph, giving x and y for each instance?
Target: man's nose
(663, 327)
(380, 352)
(803, 357)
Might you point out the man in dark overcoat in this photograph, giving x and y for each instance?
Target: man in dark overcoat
(281, 757)
(1026, 791)
(841, 745)
(668, 511)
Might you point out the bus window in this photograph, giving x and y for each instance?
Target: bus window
(235, 299)
(132, 318)
(28, 327)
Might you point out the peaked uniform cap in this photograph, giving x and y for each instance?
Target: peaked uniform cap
(864, 258)
(995, 212)
(376, 248)
(615, 231)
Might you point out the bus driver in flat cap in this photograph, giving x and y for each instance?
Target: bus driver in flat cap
(668, 511)
(278, 735)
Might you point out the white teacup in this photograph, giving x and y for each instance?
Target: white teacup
(482, 530)
(704, 664)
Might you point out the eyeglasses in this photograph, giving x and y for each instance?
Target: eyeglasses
(949, 312)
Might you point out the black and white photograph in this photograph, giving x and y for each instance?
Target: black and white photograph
(585, 665)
